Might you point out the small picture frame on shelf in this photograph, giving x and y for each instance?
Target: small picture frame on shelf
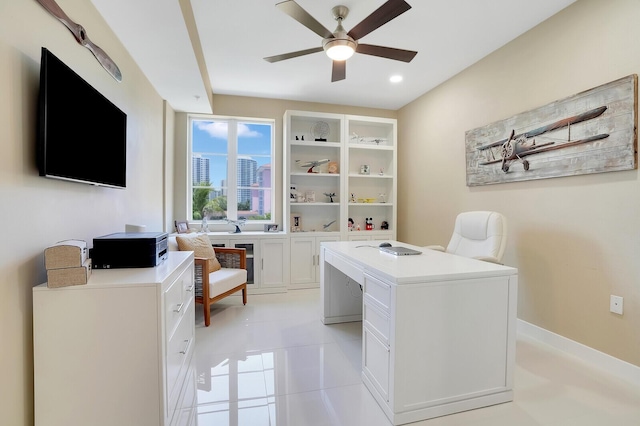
(182, 227)
(296, 222)
(272, 228)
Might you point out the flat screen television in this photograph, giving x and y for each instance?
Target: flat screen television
(82, 136)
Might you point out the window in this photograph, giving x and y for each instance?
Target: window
(231, 168)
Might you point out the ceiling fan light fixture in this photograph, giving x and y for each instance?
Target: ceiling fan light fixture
(340, 49)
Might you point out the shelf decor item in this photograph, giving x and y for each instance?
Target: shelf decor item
(330, 195)
(296, 222)
(320, 130)
(332, 167)
(182, 227)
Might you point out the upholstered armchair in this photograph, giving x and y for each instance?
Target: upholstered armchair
(219, 272)
(478, 234)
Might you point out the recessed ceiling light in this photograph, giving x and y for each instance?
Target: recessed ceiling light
(395, 78)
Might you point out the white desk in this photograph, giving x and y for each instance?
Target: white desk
(438, 330)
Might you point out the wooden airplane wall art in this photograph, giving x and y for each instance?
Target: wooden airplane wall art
(516, 147)
(591, 132)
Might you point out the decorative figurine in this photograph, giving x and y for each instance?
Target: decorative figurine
(326, 226)
(350, 224)
(237, 224)
(353, 198)
(312, 164)
(330, 195)
(369, 226)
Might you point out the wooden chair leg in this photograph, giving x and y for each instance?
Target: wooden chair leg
(244, 295)
(207, 313)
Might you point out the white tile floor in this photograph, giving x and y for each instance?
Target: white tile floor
(273, 362)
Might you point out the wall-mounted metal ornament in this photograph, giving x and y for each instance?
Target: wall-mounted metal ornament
(81, 36)
(590, 132)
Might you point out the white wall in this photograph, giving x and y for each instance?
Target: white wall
(36, 212)
(575, 240)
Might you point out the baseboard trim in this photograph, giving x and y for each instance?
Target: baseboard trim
(614, 366)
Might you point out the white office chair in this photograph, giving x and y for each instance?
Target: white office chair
(480, 235)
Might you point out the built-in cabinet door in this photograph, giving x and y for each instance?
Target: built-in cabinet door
(305, 260)
(316, 260)
(272, 254)
(302, 260)
(252, 248)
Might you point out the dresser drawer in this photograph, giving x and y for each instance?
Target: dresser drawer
(188, 285)
(176, 299)
(179, 350)
(376, 320)
(377, 291)
(185, 411)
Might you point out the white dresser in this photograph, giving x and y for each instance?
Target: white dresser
(119, 350)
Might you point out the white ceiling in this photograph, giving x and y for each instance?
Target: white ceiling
(449, 35)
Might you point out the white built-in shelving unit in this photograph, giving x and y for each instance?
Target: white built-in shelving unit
(361, 172)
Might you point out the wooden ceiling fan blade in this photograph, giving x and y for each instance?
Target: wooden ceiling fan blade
(387, 52)
(385, 13)
(339, 71)
(294, 10)
(290, 55)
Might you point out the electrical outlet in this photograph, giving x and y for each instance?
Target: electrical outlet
(615, 304)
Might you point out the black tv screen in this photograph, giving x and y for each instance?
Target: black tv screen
(82, 136)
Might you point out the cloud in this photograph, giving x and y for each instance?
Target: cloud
(219, 130)
(215, 130)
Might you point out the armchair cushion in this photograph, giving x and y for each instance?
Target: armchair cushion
(201, 247)
(224, 280)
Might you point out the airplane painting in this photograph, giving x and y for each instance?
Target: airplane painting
(516, 147)
(590, 132)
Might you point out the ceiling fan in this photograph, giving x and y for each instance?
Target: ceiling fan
(340, 44)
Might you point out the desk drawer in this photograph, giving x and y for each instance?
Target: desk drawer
(376, 320)
(347, 268)
(376, 362)
(378, 291)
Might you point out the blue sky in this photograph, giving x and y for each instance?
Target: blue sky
(210, 138)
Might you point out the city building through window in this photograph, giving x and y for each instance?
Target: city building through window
(231, 173)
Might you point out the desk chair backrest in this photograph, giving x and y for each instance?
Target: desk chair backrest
(480, 235)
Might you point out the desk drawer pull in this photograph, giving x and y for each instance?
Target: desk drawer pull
(180, 306)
